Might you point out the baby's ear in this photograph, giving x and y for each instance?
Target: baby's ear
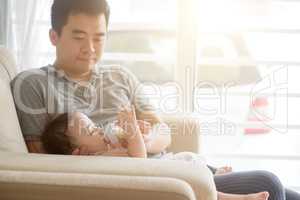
(83, 151)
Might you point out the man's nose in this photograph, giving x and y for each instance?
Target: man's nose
(89, 46)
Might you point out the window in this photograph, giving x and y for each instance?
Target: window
(247, 91)
(3, 22)
(143, 39)
(28, 30)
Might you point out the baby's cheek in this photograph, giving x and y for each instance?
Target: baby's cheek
(117, 145)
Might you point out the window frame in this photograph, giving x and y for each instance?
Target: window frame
(3, 22)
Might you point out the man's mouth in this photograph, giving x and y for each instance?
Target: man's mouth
(87, 59)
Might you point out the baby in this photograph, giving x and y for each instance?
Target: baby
(70, 133)
(74, 133)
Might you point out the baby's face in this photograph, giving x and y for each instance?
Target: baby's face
(83, 132)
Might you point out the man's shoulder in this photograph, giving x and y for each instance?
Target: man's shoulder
(33, 75)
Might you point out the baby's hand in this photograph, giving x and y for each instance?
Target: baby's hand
(145, 128)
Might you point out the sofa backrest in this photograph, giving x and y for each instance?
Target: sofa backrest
(11, 138)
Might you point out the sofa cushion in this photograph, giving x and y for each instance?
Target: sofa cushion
(11, 138)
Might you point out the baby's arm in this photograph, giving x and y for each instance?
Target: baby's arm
(116, 152)
(136, 145)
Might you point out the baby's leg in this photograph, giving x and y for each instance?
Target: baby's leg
(253, 196)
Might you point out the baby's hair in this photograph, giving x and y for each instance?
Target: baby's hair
(55, 139)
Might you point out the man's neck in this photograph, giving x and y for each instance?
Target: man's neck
(80, 77)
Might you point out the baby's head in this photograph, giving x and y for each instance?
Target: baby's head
(55, 138)
(68, 132)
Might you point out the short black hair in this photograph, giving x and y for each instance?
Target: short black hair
(62, 9)
(55, 139)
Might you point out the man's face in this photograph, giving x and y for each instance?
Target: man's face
(80, 45)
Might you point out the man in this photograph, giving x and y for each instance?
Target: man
(74, 82)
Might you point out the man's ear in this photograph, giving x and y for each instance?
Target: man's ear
(53, 35)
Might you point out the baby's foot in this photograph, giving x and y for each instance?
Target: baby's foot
(257, 196)
(223, 170)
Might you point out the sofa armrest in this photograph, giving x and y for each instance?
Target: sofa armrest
(109, 174)
(75, 186)
(185, 133)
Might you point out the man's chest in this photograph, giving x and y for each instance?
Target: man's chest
(101, 96)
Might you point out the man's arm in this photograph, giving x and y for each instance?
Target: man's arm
(161, 141)
(28, 96)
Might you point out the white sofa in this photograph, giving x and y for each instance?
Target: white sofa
(39, 176)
